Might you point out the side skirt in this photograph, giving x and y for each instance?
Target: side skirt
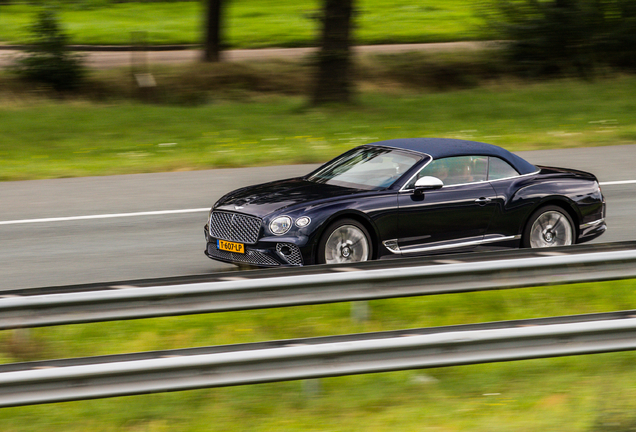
(393, 247)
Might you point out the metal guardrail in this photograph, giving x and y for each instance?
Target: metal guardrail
(314, 270)
(77, 379)
(146, 302)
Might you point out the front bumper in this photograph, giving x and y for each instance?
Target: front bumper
(261, 254)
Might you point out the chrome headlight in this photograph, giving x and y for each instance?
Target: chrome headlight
(280, 225)
(302, 222)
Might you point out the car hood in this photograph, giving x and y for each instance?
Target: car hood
(264, 199)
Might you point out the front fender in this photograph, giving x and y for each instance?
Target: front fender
(377, 212)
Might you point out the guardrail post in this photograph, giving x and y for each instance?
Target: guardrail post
(359, 311)
(21, 336)
(312, 387)
(20, 343)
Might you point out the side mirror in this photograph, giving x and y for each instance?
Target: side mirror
(428, 183)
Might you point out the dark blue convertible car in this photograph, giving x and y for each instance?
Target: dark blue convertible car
(402, 198)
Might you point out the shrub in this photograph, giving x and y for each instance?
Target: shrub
(48, 61)
(548, 37)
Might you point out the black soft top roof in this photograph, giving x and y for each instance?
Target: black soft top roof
(444, 147)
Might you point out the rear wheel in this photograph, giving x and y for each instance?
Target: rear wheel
(548, 227)
(345, 241)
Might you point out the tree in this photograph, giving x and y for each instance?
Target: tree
(333, 75)
(212, 52)
(567, 37)
(48, 60)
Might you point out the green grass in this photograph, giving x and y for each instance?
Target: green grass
(45, 139)
(252, 24)
(566, 394)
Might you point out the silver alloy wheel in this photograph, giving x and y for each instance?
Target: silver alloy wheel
(346, 244)
(551, 228)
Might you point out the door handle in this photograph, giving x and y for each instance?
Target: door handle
(482, 201)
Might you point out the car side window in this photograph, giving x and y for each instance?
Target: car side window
(499, 169)
(455, 170)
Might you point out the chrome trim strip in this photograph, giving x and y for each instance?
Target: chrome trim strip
(464, 184)
(413, 176)
(514, 177)
(461, 244)
(497, 238)
(590, 224)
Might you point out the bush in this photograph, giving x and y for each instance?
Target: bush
(436, 72)
(552, 37)
(618, 42)
(48, 61)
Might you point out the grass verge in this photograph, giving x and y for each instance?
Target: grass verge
(571, 394)
(44, 138)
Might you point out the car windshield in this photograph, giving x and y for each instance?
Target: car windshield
(366, 168)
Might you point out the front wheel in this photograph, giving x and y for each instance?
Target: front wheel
(345, 241)
(548, 227)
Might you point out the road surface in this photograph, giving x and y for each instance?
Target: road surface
(141, 242)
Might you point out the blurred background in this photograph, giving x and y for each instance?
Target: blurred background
(114, 106)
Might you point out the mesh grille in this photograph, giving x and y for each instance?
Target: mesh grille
(249, 257)
(235, 227)
(294, 258)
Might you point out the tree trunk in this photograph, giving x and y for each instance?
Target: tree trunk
(333, 80)
(212, 52)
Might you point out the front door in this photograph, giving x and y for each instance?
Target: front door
(448, 218)
(453, 217)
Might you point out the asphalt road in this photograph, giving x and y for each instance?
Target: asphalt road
(142, 245)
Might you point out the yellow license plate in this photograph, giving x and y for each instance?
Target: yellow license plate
(230, 246)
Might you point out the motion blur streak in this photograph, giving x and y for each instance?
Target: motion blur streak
(103, 216)
(169, 212)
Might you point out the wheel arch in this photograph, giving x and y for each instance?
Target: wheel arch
(358, 217)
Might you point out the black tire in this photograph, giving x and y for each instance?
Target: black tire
(345, 241)
(549, 226)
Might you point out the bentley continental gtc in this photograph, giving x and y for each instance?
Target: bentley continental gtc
(403, 198)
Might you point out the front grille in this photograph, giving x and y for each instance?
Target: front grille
(249, 257)
(294, 256)
(235, 227)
